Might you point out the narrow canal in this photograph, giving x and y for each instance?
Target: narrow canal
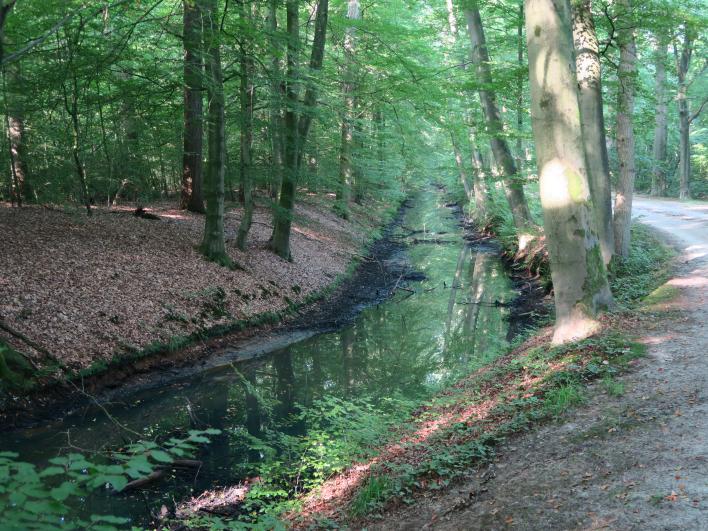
(291, 413)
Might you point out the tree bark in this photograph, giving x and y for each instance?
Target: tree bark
(658, 175)
(592, 120)
(683, 61)
(461, 168)
(479, 179)
(577, 269)
(296, 130)
(626, 75)
(247, 96)
(276, 99)
(346, 170)
(191, 195)
(213, 246)
(513, 188)
(16, 134)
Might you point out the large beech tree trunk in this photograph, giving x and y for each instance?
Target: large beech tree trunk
(191, 196)
(247, 94)
(213, 246)
(346, 170)
(577, 269)
(296, 130)
(513, 187)
(592, 121)
(626, 74)
(658, 174)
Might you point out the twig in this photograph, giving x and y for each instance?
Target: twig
(7, 328)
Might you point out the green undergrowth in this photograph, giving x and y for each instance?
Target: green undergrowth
(645, 269)
(561, 374)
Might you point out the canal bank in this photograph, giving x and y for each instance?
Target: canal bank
(443, 321)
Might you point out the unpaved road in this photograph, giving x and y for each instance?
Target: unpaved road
(638, 461)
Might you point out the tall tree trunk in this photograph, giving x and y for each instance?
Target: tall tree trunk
(479, 179)
(577, 269)
(461, 168)
(346, 171)
(73, 110)
(626, 74)
(213, 246)
(296, 130)
(191, 197)
(520, 89)
(683, 61)
(276, 125)
(16, 134)
(513, 188)
(658, 174)
(247, 96)
(592, 121)
(380, 143)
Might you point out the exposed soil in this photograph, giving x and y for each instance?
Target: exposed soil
(637, 461)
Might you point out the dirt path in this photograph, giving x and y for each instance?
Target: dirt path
(638, 461)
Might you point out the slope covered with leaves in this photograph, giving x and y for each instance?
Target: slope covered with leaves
(85, 288)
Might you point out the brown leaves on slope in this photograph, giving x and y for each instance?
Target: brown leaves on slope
(84, 288)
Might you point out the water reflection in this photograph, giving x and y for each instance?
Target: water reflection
(409, 346)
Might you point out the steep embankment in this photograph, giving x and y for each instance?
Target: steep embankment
(89, 293)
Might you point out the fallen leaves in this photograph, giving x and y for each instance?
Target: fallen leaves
(87, 288)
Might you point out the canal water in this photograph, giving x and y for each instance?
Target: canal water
(274, 410)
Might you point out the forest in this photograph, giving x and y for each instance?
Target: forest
(272, 264)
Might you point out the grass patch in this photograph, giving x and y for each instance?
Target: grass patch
(612, 386)
(661, 295)
(558, 401)
(645, 269)
(375, 491)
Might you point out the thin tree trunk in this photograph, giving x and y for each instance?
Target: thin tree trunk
(479, 179)
(592, 120)
(213, 246)
(346, 177)
(520, 90)
(658, 175)
(16, 133)
(461, 168)
(192, 168)
(577, 269)
(72, 109)
(380, 144)
(683, 61)
(626, 74)
(513, 188)
(276, 99)
(247, 96)
(296, 130)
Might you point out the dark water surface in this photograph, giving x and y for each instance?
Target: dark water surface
(428, 334)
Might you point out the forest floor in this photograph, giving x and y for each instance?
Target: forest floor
(633, 456)
(86, 289)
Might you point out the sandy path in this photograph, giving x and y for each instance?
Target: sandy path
(639, 461)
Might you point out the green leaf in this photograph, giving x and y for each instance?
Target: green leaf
(63, 491)
(162, 457)
(52, 471)
(118, 482)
